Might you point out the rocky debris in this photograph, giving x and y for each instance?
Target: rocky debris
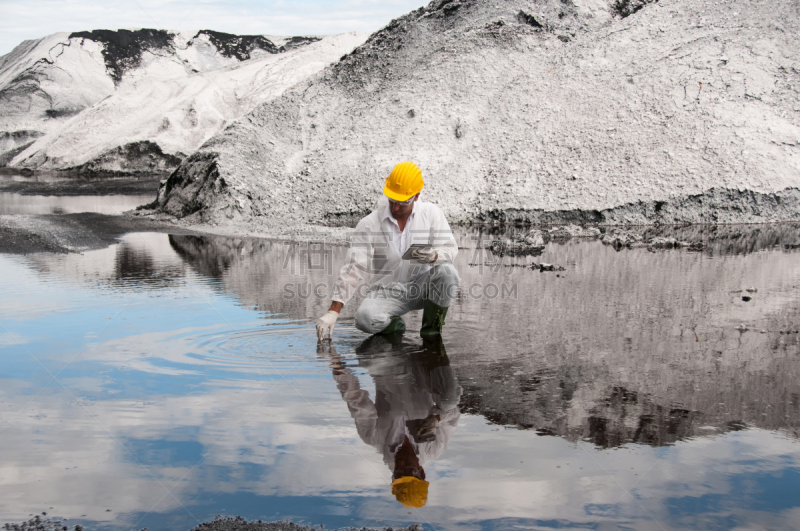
(530, 20)
(529, 244)
(520, 127)
(664, 243)
(241, 524)
(626, 8)
(136, 157)
(671, 243)
(715, 205)
(726, 239)
(532, 265)
(42, 523)
(621, 238)
(566, 232)
(546, 267)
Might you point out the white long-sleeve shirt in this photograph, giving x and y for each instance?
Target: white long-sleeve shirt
(375, 250)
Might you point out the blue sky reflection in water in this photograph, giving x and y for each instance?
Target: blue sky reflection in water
(635, 390)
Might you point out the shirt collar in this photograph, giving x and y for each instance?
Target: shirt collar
(387, 213)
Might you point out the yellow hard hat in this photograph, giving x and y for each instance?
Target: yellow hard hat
(410, 491)
(404, 182)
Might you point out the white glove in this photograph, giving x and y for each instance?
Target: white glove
(325, 325)
(425, 255)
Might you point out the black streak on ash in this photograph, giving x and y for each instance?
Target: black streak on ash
(123, 49)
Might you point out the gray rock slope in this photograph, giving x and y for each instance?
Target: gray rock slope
(523, 110)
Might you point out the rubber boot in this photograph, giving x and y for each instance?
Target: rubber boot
(396, 326)
(432, 320)
(433, 354)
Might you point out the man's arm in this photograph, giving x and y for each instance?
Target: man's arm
(349, 277)
(362, 409)
(355, 267)
(444, 242)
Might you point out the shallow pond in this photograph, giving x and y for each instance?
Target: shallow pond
(169, 379)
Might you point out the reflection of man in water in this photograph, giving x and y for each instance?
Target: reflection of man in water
(414, 412)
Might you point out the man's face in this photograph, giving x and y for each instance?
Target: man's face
(400, 210)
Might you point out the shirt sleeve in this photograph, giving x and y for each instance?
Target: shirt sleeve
(444, 241)
(362, 409)
(355, 266)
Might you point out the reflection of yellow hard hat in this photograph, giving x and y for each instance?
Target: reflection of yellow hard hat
(410, 491)
(404, 182)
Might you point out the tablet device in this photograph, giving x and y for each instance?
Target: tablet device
(413, 247)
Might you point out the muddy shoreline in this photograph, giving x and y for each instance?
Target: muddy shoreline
(78, 232)
(66, 184)
(72, 233)
(44, 523)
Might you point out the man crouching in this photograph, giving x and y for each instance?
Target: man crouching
(404, 251)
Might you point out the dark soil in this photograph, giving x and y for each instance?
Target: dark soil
(717, 205)
(135, 157)
(297, 42)
(625, 8)
(43, 523)
(123, 49)
(238, 46)
(240, 524)
(66, 233)
(67, 185)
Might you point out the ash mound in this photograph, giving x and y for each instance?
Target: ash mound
(128, 101)
(623, 111)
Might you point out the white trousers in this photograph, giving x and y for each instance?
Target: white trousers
(438, 285)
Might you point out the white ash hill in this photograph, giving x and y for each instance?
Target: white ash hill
(626, 111)
(141, 100)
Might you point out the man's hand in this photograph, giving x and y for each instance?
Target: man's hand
(326, 324)
(426, 255)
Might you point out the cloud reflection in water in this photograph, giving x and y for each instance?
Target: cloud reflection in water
(202, 389)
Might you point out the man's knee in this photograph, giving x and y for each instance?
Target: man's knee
(447, 275)
(371, 319)
(443, 284)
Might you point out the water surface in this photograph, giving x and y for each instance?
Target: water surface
(11, 203)
(168, 379)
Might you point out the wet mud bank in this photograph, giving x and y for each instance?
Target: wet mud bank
(24, 232)
(717, 205)
(44, 523)
(711, 239)
(240, 524)
(69, 184)
(72, 233)
(120, 185)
